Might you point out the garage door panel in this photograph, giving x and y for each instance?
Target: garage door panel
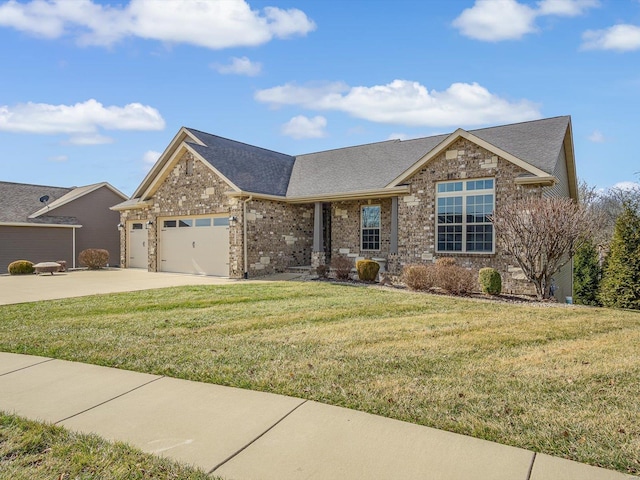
(195, 245)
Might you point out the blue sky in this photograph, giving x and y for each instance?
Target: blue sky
(93, 90)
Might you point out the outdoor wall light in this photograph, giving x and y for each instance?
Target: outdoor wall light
(233, 219)
(120, 226)
(149, 223)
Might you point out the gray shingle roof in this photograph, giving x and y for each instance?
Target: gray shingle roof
(356, 168)
(537, 142)
(250, 168)
(19, 200)
(375, 165)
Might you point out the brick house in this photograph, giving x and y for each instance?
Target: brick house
(220, 207)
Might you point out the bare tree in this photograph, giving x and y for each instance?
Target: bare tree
(542, 234)
(606, 206)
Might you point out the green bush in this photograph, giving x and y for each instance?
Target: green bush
(342, 267)
(367, 270)
(620, 285)
(94, 258)
(586, 275)
(20, 267)
(490, 281)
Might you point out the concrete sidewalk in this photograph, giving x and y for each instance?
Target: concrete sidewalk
(241, 434)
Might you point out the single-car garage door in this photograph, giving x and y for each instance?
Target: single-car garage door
(195, 245)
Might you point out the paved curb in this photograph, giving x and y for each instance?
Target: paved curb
(243, 434)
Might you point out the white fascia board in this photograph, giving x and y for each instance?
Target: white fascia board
(46, 225)
(157, 167)
(460, 133)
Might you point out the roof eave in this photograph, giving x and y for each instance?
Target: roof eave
(71, 197)
(547, 181)
(49, 225)
(168, 152)
(121, 207)
(328, 197)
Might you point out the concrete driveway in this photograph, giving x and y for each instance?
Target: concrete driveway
(31, 288)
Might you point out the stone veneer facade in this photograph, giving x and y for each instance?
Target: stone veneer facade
(280, 234)
(417, 214)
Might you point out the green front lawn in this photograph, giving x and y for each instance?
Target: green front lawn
(560, 380)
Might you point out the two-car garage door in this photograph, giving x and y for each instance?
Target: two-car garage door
(194, 245)
(198, 245)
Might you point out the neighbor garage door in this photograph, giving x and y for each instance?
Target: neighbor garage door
(194, 245)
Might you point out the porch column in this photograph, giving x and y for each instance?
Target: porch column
(393, 242)
(317, 251)
(317, 228)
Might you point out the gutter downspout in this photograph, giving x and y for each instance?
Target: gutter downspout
(244, 237)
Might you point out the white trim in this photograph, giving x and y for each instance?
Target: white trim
(460, 133)
(362, 207)
(464, 193)
(157, 167)
(75, 194)
(27, 224)
(214, 169)
(131, 206)
(355, 195)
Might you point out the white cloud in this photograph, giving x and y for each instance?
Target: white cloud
(303, 127)
(622, 37)
(215, 25)
(496, 20)
(58, 158)
(404, 102)
(150, 157)
(566, 8)
(239, 66)
(89, 139)
(81, 120)
(596, 137)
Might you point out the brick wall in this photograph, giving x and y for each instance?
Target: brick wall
(280, 235)
(417, 211)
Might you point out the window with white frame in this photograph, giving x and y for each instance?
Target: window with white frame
(463, 223)
(370, 227)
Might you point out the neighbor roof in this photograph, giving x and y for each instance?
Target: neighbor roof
(250, 168)
(19, 200)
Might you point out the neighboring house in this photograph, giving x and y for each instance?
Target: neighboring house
(220, 207)
(42, 223)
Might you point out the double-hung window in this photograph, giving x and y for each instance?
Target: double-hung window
(370, 227)
(463, 223)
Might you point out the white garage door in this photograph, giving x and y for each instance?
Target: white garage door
(138, 251)
(195, 245)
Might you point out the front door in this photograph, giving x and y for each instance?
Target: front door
(138, 250)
